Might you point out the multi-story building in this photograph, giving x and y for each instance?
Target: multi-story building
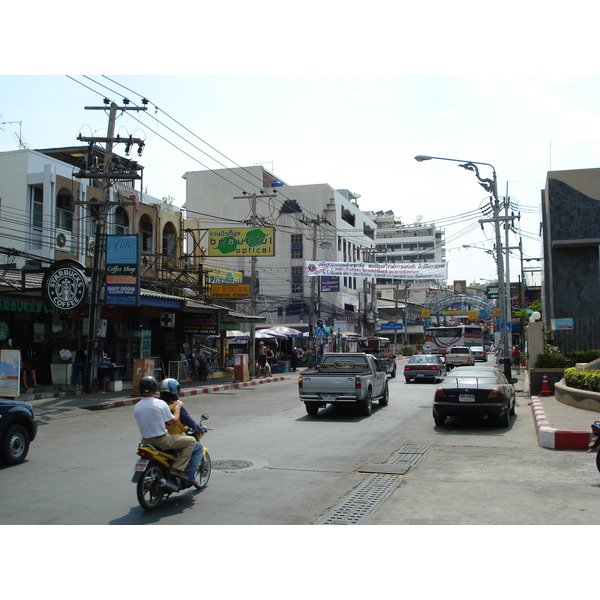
(396, 242)
(55, 206)
(312, 222)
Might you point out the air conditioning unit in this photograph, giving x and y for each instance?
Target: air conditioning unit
(91, 246)
(64, 240)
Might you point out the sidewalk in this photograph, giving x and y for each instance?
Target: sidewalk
(72, 401)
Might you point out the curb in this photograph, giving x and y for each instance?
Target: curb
(556, 439)
(189, 392)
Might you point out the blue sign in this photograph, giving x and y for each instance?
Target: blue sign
(320, 332)
(392, 325)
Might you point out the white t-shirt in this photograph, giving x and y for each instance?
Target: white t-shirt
(151, 415)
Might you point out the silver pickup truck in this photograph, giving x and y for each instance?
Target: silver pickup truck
(345, 377)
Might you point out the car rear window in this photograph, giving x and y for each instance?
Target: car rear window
(354, 363)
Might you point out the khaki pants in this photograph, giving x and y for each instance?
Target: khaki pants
(184, 443)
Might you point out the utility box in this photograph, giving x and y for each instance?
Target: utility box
(240, 367)
(142, 367)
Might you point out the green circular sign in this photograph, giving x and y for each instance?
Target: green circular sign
(66, 288)
(3, 330)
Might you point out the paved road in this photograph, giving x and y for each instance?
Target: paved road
(303, 468)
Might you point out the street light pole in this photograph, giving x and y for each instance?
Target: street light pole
(491, 186)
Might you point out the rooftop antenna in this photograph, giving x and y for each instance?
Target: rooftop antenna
(20, 123)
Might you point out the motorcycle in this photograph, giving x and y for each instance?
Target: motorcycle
(595, 442)
(153, 481)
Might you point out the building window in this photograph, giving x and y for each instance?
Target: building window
(297, 280)
(168, 240)
(65, 208)
(121, 221)
(296, 242)
(147, 233)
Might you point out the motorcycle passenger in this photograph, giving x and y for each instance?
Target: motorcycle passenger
(170, 391)
(153, 416)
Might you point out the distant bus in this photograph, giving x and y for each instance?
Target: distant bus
(439, 339)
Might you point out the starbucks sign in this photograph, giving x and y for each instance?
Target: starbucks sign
(64, 285)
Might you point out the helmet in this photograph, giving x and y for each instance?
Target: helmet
(169, 390)
(148, 385)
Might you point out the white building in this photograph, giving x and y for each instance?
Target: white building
(312, 222)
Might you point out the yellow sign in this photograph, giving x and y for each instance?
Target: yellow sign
(223, 290)
(495, 312)
(425, 313)
(241, 241)
(218, 275)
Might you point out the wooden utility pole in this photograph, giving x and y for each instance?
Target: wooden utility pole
(100, 246)
(251, 349)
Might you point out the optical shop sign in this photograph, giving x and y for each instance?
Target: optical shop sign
(378, 270)
(122, 270)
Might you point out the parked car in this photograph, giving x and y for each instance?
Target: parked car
(475, 391)
(18, 427)
(424, 366)
(479, 353)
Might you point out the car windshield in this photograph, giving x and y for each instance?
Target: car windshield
(422, 360)
(476, 349)
(472, 380)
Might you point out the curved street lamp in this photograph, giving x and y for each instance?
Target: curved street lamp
(491, 186)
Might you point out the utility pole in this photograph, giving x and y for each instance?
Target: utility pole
(253, 221)
(312, 314)
(100, 247)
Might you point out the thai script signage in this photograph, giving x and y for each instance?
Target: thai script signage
(378, 270)
(241, 241)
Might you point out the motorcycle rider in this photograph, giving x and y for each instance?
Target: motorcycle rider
(152, 416)
(170, 391)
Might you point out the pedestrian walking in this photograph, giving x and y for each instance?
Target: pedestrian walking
(516, 359)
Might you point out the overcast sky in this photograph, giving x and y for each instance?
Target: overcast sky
(444, 96)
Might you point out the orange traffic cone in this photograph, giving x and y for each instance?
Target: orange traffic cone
(545, 391)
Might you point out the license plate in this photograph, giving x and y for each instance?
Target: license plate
(466, 397)
(328, 397)
(141, 465)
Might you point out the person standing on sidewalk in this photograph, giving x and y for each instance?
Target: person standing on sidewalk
(516, 359)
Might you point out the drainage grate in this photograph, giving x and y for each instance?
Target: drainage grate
(357, 507)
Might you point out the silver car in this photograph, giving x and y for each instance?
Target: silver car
(479, 353)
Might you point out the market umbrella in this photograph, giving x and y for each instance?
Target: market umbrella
(264, 335)
(276, 334)
(236, 334)
(287, 331)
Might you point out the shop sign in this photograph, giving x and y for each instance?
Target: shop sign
(64, 285)
(122, 270)
(220, 290)
(241, 241)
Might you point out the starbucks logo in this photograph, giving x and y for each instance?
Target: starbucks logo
(65, 287)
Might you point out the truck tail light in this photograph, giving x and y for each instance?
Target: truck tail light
(358, 383)
(299, 383)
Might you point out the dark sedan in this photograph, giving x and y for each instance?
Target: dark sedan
(475, 391)
(424, 366)
(18, 427)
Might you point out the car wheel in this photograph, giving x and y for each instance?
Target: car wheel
(504, 420)
(15, 445)
(312, 408)
(439, 421)
(366, 406)
(384, 400)
(394, 373)
(513, 407)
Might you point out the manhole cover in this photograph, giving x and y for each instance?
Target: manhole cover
(231, 464)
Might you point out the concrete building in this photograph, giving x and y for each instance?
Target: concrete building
(312, 222)
(571, 267)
